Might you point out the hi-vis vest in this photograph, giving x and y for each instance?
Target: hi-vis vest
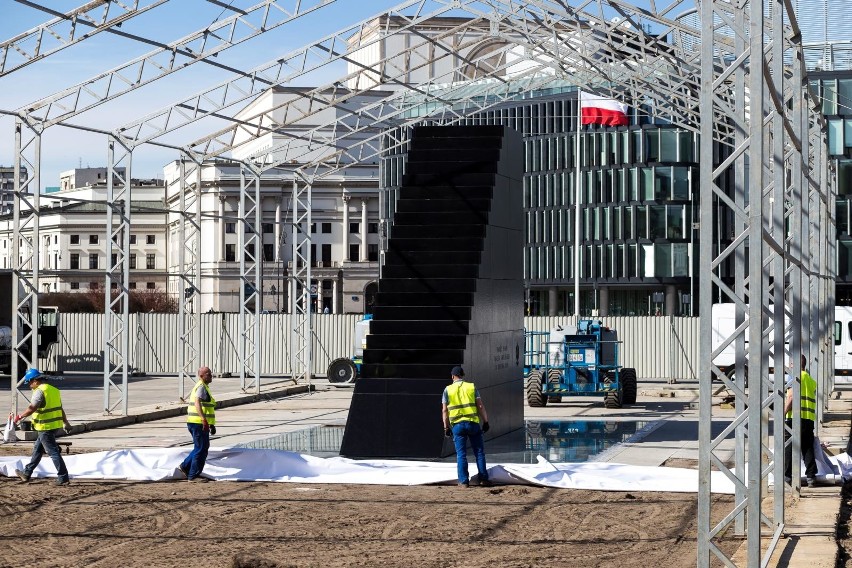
(461, 402)
(808, 398)
(208, 408)
(48, 417)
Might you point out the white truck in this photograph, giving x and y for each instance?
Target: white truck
(724, 325)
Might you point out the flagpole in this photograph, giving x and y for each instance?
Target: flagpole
(577, 201)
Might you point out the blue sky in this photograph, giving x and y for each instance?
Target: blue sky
(66, 148)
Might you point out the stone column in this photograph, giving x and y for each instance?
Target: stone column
(345, 225)
(221, 227)
(364, 230)
(277, 248)
(552, 299)
(335, 308)
(603, 301)
(671, 300)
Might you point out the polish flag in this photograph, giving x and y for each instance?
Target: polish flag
(595, 109)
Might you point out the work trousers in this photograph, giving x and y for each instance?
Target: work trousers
(193, 464)
(46, 442)
(807, 445)
(462, 432)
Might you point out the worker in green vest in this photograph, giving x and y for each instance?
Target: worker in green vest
(808, 391)
(201, 422)
(465, 419)
(48, 417)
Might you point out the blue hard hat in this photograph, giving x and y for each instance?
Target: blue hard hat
(31, 374)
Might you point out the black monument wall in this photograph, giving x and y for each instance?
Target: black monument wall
(451, 293)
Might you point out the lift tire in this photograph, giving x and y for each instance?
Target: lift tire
(614, 399)
(535, 398)
(628, 386)
(342, 370)
(554, 377)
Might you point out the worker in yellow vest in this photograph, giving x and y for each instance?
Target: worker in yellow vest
(808, 391)
(465, 419)
(201, 422)
(48, 417)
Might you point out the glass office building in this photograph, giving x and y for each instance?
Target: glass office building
(639, 190)
(834, 90)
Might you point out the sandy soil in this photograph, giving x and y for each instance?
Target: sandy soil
(153, 525)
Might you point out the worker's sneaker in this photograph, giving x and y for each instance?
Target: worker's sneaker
(24, 477)
(811, 482)
(486, 483)
(788, 480)
(198, 480)
(464, 485)
(61, 481)
(183, 471)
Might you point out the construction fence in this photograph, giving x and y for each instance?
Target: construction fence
(657, 347)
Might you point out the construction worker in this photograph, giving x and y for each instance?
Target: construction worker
(201, 422)
(48, 418)
(808, 391)
(462, 412)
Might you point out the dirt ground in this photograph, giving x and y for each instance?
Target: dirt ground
(271, 525)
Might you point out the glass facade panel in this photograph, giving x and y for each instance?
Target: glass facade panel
(686, 147)
(844, 258)
(631, 259)
(652, 145)
(680, 184)
(657, 222)
(662, 260)
(675, 221)
(618, 265)
(662, 183)
(628, 223)
(844, 95)
(680, 259)
(835, 136)
(625, 147)
(669, 145)
(842, 213)
(844, 177)
(829, 97)
(646, 184)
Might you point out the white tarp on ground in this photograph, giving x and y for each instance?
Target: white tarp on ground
(242, 464)
(239, 464)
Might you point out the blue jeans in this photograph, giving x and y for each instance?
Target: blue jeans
(46, 442)
(462, 432)
(193, 464)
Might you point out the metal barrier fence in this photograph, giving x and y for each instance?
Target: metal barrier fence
(657, 347)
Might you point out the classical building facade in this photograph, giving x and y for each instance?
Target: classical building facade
(73, 236)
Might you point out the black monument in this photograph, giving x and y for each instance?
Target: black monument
(451, 293)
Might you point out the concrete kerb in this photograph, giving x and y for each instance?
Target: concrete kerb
(160, 411)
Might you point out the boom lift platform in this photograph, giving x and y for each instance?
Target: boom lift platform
(577, 361)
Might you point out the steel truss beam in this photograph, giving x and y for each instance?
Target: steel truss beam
(769, 261)
(189, 277)
(25, 249)
(251, 276)
(66, 30)
(299, 281)
(116, 291)
(200, 46)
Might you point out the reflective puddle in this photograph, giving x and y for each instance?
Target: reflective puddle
(570, 441)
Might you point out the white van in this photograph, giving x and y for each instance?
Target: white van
(723, 327)
(843, 345)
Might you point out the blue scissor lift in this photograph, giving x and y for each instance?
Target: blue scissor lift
(577, 361)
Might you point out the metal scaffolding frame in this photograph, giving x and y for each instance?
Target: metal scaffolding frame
(732, 71)
(189, 261)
